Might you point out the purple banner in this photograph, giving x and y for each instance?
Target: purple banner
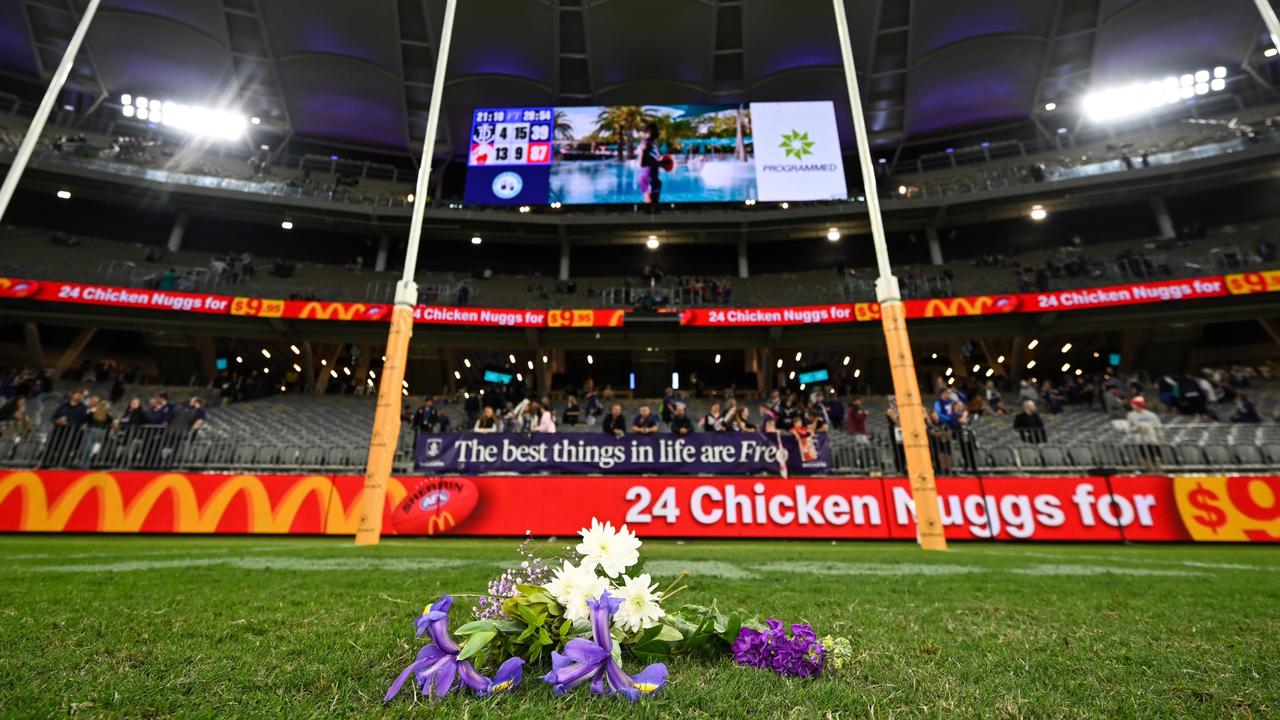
(595, 454)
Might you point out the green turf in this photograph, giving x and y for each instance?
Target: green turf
(304, 627)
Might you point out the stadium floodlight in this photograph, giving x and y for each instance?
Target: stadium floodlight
(779, 363)
(512, 358)
(530, 364)
(949, 371)
(1038, 213)
(297, 367)
(255, 121)
(652, 242)
(1032, 345)
(857, 373)
(64, 194)
(590, 360)
(799, 355)
(1050, 107)
(717, 358)
(519, 378)
(1000, 360)
(786, 206)
(346, 371)
(193, 119)
(372, 374)
(1031, 365)
(902, 189)
(833, 234)
(1079, 371)
(1066, 348)
(934, 356)
(266, 371)
(286, 224)
(792, 376)
(1125, 101)
(457, 375)
(239, 359)
(409, 198)
(404, 383)
(266, 353)
(544, 361)
(1066, 367)
(675, 381)
(1270, 52)
(466, 362)
(976, 368)
(295, 350)
(990, 372)
(476, 240)
(846, 360)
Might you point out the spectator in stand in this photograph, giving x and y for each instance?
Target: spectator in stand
(68, 418)
(680, 422)
(184, 424)
(713, 421)
(1027, 391)
(1030, 425)
(487, 422)
(614, 423)
(572, 413)
(740, 420)
(117, 389)
(13, 406)
(856, 423)
(1246, 411)
(427, 418)
(18, 427)
(593, 408)
(472, 407)
(1146, 431)
(895, 433)
(995, 399)
(134, 415)
(940, 438)
(160, 409)
(1053, 396)
(97, 423)
(668, 405)
(1114, 405)
(817, 420)
(543, 419)
(645, 423)
(168, 281)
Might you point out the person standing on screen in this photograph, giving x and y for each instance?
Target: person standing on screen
(650, 166)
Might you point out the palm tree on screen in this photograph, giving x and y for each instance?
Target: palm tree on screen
(622, 122)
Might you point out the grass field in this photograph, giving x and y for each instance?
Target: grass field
(306, 627)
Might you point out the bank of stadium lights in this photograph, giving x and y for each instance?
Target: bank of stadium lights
(525, 209)
(1128, 100)
(64, 194)
(476, 240)
(1038, 213)
(556, 205)
(193, 119)
(749, 202)
(833, 235)
(652, 243)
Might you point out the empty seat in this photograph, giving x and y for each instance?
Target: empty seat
(1217, 455)
(1053, 457)
(337, 456)
(313, 456)
(1190, 455)
(1030, 457)
(245, 454)
(1272, 453)
(1081, 456)
(1247, 454)
(1001, 457)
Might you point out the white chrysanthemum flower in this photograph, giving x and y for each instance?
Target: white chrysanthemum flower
(613, 550)
(639, 608)
(572, 586)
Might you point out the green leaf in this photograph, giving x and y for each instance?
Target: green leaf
(668, 634)
(510, 627)
(475, 644)
(544, 638)
(474, 627)
(651, 650)
(566, 628)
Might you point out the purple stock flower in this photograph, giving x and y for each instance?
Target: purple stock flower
(584, 661)
(437, 668)
(801, 656)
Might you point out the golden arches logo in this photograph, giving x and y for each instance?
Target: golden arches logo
(956, 306)
(441, 523)
(190, 513)
(328, 310)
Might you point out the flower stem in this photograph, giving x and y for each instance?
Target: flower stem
(667, 595)
(683, 575)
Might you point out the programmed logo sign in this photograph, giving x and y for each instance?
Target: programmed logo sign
(805, 163)
(433, 447)
(507, 185)
(434, 499)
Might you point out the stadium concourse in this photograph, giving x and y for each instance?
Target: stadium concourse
(735, 358)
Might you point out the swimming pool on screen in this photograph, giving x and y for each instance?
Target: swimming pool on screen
(615, 181)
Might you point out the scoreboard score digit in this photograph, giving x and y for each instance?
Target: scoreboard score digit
(511, 136)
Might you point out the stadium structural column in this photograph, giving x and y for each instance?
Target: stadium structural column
(33, 346)
(564, 255)
(915, 441)
(178, 232)
(744, 269)
(1164, 221)
(384, 247)
(308, 367)
(72, 353)
(28, 146)
(935, 245)
(386, 418)
(1270, 20)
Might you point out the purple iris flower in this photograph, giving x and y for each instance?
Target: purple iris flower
(437, 668)
(801, 656)
(584, 661)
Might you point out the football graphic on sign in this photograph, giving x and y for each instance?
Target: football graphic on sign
(433, 506)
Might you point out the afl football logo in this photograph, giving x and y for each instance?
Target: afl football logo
(507, 185)
(432, 500)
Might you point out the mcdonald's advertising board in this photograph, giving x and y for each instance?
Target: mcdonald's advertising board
(1219, 508)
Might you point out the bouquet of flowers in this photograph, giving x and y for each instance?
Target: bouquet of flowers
(585, 616)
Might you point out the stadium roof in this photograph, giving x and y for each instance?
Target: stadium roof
(360, 73)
